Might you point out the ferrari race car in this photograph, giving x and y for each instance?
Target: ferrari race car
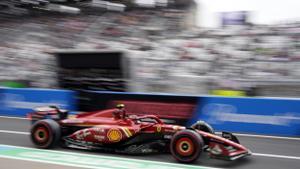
(113, 130)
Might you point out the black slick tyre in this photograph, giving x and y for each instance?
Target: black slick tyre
(186, 146)
(45, 133)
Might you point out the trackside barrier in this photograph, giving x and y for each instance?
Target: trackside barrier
(19, 102)
(270, 116)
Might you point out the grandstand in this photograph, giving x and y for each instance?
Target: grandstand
(169, 53)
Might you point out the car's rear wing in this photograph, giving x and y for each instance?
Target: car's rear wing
(47, 112)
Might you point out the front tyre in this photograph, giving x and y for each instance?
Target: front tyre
(186, 146)
(45, 133)
(203, 126)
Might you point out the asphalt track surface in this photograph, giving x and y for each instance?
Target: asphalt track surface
(268, 153)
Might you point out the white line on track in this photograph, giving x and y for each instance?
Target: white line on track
(264, 136)
(14, 132)
(11, 117)
(276, 156)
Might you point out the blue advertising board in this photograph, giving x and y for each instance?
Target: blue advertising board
(270, 116)
(19, 102)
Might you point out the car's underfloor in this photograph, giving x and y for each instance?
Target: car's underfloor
(140, 144)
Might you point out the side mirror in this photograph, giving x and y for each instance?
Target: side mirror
(230, 137)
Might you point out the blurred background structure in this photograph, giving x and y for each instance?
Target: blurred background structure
(165, 48)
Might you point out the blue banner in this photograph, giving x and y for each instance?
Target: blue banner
(19, 102)
(268, 116)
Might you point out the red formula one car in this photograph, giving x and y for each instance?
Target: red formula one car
(114, 131)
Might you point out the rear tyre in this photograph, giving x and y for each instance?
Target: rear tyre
(186, 146)
(45, 133)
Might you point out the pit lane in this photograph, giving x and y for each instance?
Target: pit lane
(275, 153)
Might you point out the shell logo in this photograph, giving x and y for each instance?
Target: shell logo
(114, 135)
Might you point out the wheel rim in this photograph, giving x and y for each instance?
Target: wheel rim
(185, 147)
(41, 135)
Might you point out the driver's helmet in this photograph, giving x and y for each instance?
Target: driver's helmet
(120, 106)
(120, 112)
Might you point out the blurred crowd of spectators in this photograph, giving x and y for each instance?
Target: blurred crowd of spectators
(167, 56)
(238, 58)
(26, 40)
